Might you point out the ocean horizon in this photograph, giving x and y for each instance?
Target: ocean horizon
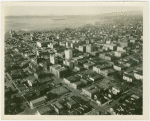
(48, 22)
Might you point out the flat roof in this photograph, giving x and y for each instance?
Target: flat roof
(103, 85)
(91, 89)
(58, 105)
(46, 79)
(38, 100)
(60, 90)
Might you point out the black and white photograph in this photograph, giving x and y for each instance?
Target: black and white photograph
(74, 60)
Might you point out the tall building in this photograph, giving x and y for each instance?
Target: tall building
(67, 44)
(68, 54)
(82, 48)
(89, 48)
(58, 71)
(53, 59)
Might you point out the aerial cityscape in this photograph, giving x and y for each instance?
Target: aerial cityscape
(72, 64)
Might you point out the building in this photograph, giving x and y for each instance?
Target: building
(95, 53)
(58, 71)
(90, 91)
(53, 58)
(53, 45)
(70, 79)
(82, 48)
(79, 84)
(59, 91)
(74, 45)
(107, 72)
(128, 77)
(39, 74)
(68, 53)
(71, 103)
(95, 77)
(119, 67)
(62, 43)
(88, 65)
(69, 63)
(78, 68)
(44, 80)
(92, 112)
(44, 110)
(68, 44)
(133, 40)
(43, 44)
(116, 90)
(37, 102)
(119, 53)
(119, 89)
(111, 46)
(32, 81)
(98, 68)
(107, 56)
(104, 85)
(89, 48)
(58, 107)
(125, 44)
(122, 49)
(138, 75)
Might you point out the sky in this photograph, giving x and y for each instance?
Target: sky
(64, 10)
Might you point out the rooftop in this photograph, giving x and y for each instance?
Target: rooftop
(91, 89)
(60, 90)
(38, 100)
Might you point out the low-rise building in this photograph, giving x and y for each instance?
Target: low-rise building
(111, 46)
(32, 81)
(59, 91)
(116, 90)
(71, 103)
(138, 75)
(43, 44)
(122, 49)
(119, 67)
(79, 84)
(58, 107)
(44, 110)
(128, 77)
(126, 44)
(90, 91)
(71, 79)
(78, 68)
(92, 112)
(107, 72)
(119, 53)
(53, 45)
(37, 102)
(98, 68)
(95, 77)
(88, 65)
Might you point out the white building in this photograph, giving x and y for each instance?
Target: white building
(68, 54)
(128, 78)
(119, 53)
(138, 76)
(37, 102)
(53, 59)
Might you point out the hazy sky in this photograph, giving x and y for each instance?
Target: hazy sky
(64, 10)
